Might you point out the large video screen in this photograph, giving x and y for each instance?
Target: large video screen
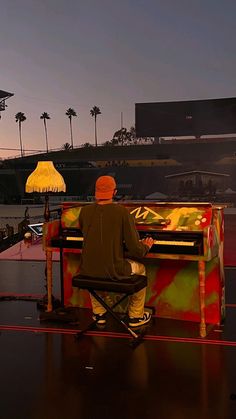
(186, 118)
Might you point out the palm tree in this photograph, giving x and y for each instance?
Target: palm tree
(66, 146)
(94, 112)
(45, 116)
(20, 117)
(71, 112)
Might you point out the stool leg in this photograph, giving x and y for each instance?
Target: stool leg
(119, 301)
(82, 332)
(90, 326)
(114, 315)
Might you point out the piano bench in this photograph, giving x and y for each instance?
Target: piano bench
(126, 286)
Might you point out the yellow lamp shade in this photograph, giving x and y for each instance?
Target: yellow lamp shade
(45, 178)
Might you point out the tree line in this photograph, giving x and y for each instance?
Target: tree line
(122, 137)
(20, 118)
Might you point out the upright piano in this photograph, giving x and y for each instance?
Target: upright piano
(185, 266)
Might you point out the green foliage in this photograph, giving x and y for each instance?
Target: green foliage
(20, 117)
(95, 111)
(70, 112)
(66, 146)
(45, 116)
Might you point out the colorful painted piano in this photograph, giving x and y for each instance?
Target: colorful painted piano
(185, 266)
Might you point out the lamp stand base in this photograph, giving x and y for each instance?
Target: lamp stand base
(42, 304)
(65, 315)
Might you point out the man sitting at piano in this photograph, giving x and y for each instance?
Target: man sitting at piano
(106, 227)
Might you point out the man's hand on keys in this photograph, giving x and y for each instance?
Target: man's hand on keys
(148, 241)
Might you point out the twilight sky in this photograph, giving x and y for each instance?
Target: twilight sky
(57, 54)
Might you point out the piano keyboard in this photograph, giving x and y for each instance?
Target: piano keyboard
(174, 243)
(160, 242)
(77, 239)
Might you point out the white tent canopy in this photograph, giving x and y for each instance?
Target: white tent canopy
(230, 191)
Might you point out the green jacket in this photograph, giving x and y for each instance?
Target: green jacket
(107, 229)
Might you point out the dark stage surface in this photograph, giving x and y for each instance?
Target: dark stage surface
(46, 373)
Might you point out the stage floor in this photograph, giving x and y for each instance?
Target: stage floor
(46, 373)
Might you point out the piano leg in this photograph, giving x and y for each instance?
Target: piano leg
(201, 275)
(49, 279)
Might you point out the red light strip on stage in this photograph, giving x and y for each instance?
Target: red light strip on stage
(153, 338)
(7, 294)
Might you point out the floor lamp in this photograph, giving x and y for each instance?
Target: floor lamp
(45, 179)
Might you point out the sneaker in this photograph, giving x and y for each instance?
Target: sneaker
(140, 321)
(99, 318)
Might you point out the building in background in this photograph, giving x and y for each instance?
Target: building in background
(3, 97)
